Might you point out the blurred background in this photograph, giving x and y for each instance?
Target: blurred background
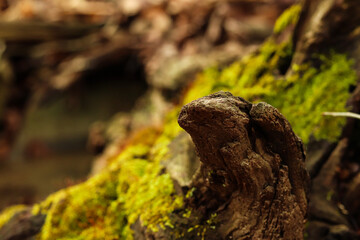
(77, 75)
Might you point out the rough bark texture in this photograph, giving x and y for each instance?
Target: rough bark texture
(252, 170)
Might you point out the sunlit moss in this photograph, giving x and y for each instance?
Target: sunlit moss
(314, 91)
(132, 188)
(301, 97)
(76, 211)
(145, 193)
(151, 202)
(239, 77)
(288, 17)
(250, 78)
(104, 207)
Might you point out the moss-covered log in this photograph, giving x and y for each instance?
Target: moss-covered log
(251, 182)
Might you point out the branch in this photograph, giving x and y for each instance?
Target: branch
(342, 114)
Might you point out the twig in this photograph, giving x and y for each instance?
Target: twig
(342, 114)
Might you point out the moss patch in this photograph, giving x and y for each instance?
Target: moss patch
(289, 17)
(251, 78)
(80, 212)
(309, 92)
(302, 97)
(104, 207)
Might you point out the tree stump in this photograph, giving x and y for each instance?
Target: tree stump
(252, 172)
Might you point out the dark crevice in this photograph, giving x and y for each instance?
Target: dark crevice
(323, 159)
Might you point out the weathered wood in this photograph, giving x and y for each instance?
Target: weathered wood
(252, 168)
(23, 225)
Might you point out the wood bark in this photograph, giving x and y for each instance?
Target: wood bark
(22, 226)
(252, 172)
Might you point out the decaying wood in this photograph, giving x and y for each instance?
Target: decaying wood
(252, 170)
(23, 225)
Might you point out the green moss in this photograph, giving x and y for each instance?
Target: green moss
(310, 92)
(289, 17)
(146, 194)
(132, 188)
(9, 213)
(251, 78)
(301, 97)
(80, 212)
(105, 206)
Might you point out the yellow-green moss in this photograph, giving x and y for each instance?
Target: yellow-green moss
(253, 76)
(105, 206)
(9, 213)
(147, 194)
(80, 212)
(310, 92)
(250, 78)
(131, 188)
(289, 17)
(301, 97)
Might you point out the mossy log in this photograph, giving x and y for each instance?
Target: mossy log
(251, 183)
